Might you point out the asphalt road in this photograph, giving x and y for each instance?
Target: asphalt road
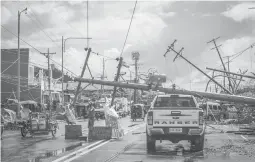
(219, 146)
(14, 147)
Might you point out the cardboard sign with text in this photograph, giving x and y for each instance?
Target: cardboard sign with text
(100, 133)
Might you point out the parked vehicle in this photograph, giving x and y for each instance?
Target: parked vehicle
(175, 118)
(137, 112)
(39, 123)
(214, 111)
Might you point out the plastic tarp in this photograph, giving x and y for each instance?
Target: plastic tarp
(25, 113)
(111, 120)
(69, 113)
(9, 116)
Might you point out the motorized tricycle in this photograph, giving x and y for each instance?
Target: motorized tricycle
(38, 123)
(137, 112)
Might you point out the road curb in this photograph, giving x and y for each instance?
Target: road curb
(77, 154)
(12, 134)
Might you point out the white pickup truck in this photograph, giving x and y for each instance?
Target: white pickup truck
(175, 118)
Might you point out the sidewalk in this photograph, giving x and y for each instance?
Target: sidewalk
(125, 123)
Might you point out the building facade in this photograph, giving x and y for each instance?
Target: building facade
(9, 76)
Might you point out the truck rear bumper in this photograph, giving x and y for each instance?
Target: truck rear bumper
(186, 134)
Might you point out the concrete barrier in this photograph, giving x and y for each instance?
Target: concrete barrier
(73, 131)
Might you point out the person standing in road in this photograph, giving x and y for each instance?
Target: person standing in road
(91, 116)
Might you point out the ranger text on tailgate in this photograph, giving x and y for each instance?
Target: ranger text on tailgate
(175, 118)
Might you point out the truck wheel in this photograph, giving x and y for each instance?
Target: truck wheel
(151, 144)
(198, 146)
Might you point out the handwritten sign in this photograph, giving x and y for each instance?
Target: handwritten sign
(100, 133)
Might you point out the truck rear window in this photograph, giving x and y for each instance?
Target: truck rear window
(175, 101)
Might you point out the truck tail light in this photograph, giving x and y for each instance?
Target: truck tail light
(150, 118)
(201, 118)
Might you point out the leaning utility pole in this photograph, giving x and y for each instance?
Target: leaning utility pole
(63, 96)
(82, 73)
(116, 79)
(49, 77)
(180, 55)
(216, 47)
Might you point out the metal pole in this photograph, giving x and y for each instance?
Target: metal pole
(135, 91)
(229, 86)
(245, 76)
(63, 96)
(49, 79)
(82, 73)
(116, 80)
(18, 88)
(102, 86)
(222, 64)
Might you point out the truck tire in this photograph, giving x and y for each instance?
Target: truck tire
(151, 144)
(200, 145)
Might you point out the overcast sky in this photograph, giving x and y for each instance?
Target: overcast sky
(155, 26)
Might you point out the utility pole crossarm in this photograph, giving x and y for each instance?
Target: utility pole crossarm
(172, 45)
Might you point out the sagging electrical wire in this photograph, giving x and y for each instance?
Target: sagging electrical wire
(103, 55)
(35, 49)
(9, 66)
(87, 23)
(20, 38)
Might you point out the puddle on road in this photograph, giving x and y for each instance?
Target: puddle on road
(57, 152)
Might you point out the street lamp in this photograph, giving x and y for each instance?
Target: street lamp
(18, 88)
(64, 50)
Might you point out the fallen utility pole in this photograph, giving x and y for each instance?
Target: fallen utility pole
(145, 87)
(178, 53)
(82, 73)
(116, 79)
(49, 77)
(213, 40)
(245, 76)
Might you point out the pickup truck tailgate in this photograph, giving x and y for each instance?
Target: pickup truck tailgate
(176, 118)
